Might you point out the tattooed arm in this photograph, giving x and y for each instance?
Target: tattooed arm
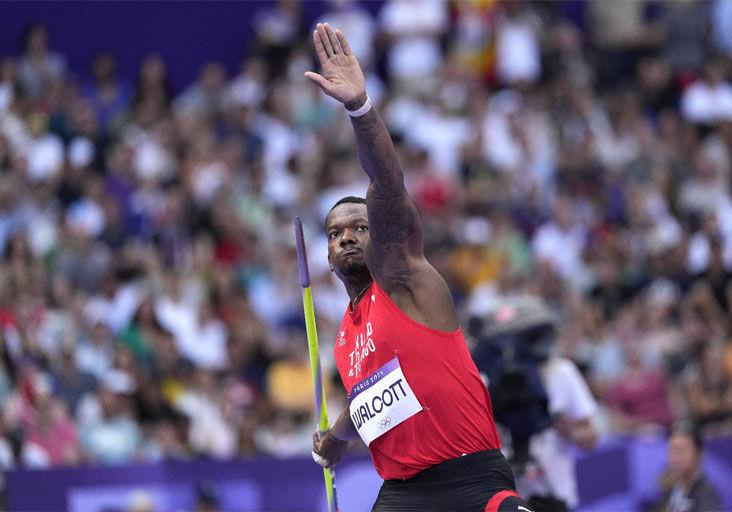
(395, 258)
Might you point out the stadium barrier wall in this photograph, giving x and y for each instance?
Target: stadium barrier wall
(621, 474)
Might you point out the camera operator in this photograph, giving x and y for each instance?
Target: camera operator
(540, 399)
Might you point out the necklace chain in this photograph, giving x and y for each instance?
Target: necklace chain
(360, 294)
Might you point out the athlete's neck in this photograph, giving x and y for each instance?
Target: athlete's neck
(356, 289)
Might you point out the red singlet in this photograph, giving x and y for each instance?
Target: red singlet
(415, 394)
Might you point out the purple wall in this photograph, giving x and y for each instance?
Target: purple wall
(186, 34)
(244, 485)
(620, 475)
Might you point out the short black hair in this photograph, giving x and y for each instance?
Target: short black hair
(348, 199)
(342, 200)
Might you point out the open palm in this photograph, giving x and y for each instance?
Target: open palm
(341, 76)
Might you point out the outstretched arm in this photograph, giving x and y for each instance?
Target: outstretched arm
(394, 225)
(396, 230)
(395, 259)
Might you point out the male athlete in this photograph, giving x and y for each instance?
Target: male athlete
(415, 396)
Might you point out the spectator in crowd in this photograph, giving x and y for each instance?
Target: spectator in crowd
(685, 36)
(518, 52)
(639, 397)
(685, 486)
(109, 432)
(354, 20)
(153, 89)
(559, 242)
(8, 84)
(278, 28)
(109, 96)
(710, 391)
(575, 414)
(39, 66)
(204, 96)
(413, 29)
(50, 434)
(708, 99)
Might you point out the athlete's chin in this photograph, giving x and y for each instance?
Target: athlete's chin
(353, 268)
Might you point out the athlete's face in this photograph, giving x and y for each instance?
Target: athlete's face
(347, 228)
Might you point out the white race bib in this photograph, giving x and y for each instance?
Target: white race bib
(382, 401)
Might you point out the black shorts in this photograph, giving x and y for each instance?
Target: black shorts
(479, 482)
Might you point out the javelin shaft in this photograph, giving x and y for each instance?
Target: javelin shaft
(320, 405)
(321, 409)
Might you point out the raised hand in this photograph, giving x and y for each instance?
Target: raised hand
(341, 76)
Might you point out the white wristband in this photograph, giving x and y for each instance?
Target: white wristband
(320, 461)
(362, 110)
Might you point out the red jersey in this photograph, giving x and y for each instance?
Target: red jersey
(415, 394)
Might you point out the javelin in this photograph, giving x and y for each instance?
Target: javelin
(321, 409)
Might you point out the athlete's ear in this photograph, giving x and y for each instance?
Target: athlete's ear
(330, 264)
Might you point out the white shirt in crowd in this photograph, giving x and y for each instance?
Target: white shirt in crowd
(569, 396)
(115, 312)
(532, 158)
(561, 247)
(355, 21)
(210, 433)
(203, 343)
(442, 136)
(518, 53)
(94, 359)
(416, 25)
(45, 156)
(703, 102)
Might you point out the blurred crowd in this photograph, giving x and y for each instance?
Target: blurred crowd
(150, 305)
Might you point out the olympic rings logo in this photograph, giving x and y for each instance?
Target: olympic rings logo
(384, 423)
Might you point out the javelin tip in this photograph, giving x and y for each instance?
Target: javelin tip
(302, 258)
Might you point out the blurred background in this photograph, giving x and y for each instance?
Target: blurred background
(153, 156)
